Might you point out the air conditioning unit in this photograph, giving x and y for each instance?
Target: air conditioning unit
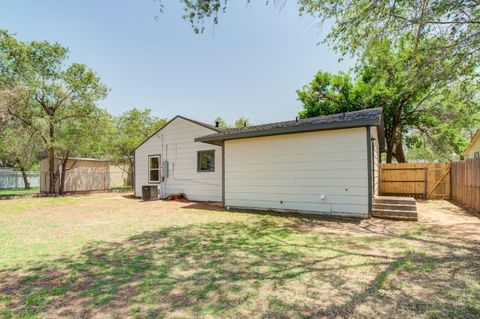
(149, 192)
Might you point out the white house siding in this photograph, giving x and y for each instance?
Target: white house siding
(175, 143)
(376, 161)
(292, 172)
(474, 148)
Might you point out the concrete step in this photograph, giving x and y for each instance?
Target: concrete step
(394, 214)
(395, 200)
(396, 217)
(393, 211)
(403, 207)
(397, 208)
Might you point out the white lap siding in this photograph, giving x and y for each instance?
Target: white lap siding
(324, 172)
(175, 143)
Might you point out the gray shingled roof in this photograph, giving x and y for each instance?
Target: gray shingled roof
(368, 117)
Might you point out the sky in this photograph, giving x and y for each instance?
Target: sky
(250, 64)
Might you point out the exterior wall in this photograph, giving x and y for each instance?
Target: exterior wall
(376, 161)
(294, 172)
(82, 175)
(475, 147)
(175, 143)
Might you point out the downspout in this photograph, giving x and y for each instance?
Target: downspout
(134, 177)
(369, 169)
(223, 174)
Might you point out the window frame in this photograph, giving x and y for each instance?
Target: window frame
(476, 154)
(198, 161)
(159, 169)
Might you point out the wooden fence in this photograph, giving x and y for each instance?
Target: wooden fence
(466, 183)
(419, 180)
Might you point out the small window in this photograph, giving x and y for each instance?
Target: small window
(206, 161)
(154, 168)
(476, 155)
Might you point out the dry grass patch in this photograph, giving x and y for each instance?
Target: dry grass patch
(108, 256)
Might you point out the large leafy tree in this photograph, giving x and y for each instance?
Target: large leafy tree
(445, 130)
(407, 86)
(53, 94)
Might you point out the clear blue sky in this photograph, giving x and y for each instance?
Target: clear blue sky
(250, 64)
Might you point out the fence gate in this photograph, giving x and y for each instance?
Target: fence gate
(419, 180)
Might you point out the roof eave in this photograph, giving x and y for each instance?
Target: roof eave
(289, 130)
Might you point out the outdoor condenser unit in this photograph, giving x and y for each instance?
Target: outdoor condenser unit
(149, 192)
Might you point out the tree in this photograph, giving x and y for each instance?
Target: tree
(55, 95)
(130, 129)
(445, 130)
(400, 79)
(242, 122)
(221, 122)
(19, 148)
(358, 22)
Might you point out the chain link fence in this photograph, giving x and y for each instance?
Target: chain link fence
(14, 179)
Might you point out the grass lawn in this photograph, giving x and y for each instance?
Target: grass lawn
(111, 256)
(18, 191)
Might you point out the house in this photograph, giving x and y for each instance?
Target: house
(473, 149)
(325, 164)
(85, 175)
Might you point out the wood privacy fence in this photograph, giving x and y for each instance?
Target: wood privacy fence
(466, 183)
(419, 180)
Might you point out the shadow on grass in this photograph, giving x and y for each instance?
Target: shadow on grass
(259, 269)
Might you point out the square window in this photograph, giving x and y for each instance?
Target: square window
(476, 155)
(154, 168)
(206, 161)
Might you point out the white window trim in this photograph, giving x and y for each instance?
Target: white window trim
(159, 168)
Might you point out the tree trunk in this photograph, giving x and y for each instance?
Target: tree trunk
(389, 152)
(131, 172)
(51, 161)
(391, 135)
(399, 154)
(26, 183)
